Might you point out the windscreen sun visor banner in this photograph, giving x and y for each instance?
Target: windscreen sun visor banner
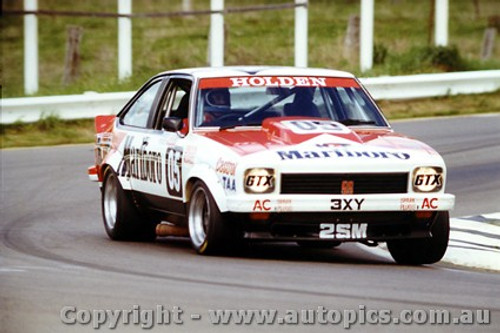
(278, 81)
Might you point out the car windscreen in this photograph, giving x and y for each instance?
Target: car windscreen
(247, 101)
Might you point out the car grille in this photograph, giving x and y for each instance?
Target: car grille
(332, 183)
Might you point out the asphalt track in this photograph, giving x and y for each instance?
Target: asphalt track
(54, 253)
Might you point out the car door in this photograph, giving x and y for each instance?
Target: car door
(165, 192)
(142, 166)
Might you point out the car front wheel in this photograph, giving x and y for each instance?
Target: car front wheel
(209, 229)
(423, 250)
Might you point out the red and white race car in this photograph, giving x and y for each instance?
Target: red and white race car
(268, 154)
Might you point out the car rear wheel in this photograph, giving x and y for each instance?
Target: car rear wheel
(209, 229)
(423, 250)
(122, 220)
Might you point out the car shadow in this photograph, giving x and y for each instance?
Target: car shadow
(346, 253)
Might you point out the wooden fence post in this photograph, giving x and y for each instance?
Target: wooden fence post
(351, 40)
(489, 37)
(72, 62)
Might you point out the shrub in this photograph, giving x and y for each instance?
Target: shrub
(379, 53)
(446, 58)
(427, 59)
(48, 122)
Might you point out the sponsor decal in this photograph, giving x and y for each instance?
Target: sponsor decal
(346, 204)
(140, 163)
(229, 183)
(315, 126)
(103, 146)
(347, 187)
(429, 203)
(407, 204)
(189, 154)
(284, 205)
(262, 205)
(225, 167)
(260, 181)
(429, 180)
(174, 171)
(277, 81)
(339, 153)
(343, 231)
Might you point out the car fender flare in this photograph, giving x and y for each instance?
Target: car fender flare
(207, 175)
(113, 160)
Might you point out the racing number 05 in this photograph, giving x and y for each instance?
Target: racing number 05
(174, 172)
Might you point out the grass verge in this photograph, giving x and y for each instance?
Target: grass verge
(47, 131)
(53, 131)
(442, 106)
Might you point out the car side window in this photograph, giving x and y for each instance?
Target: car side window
(175, 102)
(138, 114)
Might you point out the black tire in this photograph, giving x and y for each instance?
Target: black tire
(318, 245)
(423, 250)
(121, 218)
(209, 230)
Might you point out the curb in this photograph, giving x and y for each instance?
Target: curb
(475, 242)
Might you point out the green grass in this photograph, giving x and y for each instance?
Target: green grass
(51, 130)
(401, 28)
(442, 106)
(48, 131)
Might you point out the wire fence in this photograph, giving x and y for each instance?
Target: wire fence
(246, 9)
(188, 49)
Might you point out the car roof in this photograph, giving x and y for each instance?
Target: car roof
(207, 72)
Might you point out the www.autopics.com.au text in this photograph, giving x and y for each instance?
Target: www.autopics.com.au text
(346, 318)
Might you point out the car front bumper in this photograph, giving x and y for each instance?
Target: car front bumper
(272, 203)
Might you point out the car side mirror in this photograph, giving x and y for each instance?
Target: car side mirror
(172, 124)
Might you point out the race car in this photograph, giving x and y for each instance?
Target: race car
(231, 155)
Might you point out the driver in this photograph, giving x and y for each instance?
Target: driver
(217, 104)
(218, 97)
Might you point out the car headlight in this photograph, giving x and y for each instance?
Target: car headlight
(427, 179)
(259, 180)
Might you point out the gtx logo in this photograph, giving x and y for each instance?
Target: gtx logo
(260, 180)
(435, 179)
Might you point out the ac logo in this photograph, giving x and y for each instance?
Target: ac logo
(430, 203)
(262, 205)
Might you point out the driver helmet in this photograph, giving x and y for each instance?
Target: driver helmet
(218, 97)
